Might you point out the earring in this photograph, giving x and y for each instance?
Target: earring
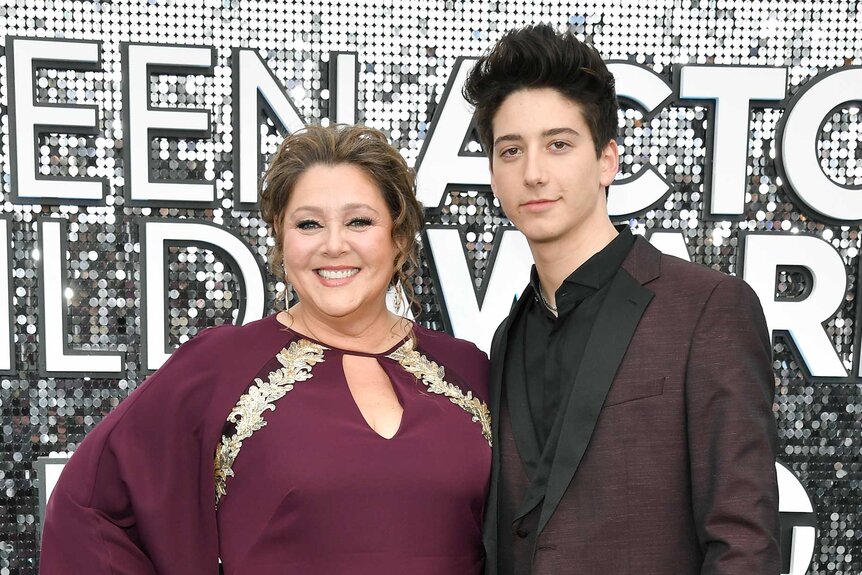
(289, 292)
(286, 292)
(398, 299)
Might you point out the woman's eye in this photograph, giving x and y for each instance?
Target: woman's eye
(307, 225)
(359, 223)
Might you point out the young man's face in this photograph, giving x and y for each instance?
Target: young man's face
(544, 168)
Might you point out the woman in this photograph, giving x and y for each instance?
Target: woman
(332, 437)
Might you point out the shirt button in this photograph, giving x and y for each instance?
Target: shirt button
(522, 533)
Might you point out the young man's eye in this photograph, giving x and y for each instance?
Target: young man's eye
(359, 222)
(306, 225)
(508, 152)
(559, 145)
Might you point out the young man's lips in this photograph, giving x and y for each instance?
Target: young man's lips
(537, 205)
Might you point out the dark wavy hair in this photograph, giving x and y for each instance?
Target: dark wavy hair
(539, 57)
(368, 150)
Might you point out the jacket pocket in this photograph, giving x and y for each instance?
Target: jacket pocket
(634, 389)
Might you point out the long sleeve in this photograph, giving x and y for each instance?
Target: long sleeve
(138, 495)
(137, 498)
(732, 435)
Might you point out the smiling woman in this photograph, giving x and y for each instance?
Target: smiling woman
(357, 149)
(339, 254)
(332, 437)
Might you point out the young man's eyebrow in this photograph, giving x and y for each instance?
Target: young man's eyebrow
(508, 138)
(545, 134)
(558, 131)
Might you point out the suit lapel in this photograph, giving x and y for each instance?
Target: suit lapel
(499, 346)
(523, 428)
(499, 350)
(613, 329)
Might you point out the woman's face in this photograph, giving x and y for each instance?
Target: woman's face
(338, 249)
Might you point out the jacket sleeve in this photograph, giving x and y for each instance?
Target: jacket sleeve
(732, 435)
(137, 496)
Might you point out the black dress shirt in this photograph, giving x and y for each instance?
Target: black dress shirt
(544, 354)
(552, 346)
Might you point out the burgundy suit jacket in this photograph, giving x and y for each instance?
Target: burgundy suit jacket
(665, 462)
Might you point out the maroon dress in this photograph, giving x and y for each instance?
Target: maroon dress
(247, 445)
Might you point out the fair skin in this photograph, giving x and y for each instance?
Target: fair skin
(550, 183)
(339, 256)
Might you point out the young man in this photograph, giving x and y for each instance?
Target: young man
(632, 391)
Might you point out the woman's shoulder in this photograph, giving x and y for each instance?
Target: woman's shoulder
(461, 359)
(216, 354)
(218, 345)
(439, 342)
(230, 334)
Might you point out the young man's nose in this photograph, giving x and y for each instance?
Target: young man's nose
(534, 170)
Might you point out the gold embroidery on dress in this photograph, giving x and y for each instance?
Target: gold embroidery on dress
(247, 416)
(433, 376)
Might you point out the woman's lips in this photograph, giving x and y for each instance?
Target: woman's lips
(336, 276)
(336, 273)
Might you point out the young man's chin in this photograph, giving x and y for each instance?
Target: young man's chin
(540, 234)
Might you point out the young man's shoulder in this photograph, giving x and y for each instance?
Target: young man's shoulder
(679, 285)
(686, 289)
(675, 265)
(683, 275)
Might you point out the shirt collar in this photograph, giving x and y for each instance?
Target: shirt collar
(594, 273)
(603, 265)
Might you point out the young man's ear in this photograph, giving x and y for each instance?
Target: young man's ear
(491, 173)
(610, 163)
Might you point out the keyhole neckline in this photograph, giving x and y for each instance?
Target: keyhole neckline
(343, 351)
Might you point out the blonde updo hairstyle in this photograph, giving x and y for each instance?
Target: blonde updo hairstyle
(364, 148)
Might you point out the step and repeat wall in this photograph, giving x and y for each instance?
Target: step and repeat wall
(134, 133)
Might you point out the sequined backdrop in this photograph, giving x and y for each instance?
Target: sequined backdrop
(405, 54)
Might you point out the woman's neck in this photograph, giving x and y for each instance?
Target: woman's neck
(371, 333)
